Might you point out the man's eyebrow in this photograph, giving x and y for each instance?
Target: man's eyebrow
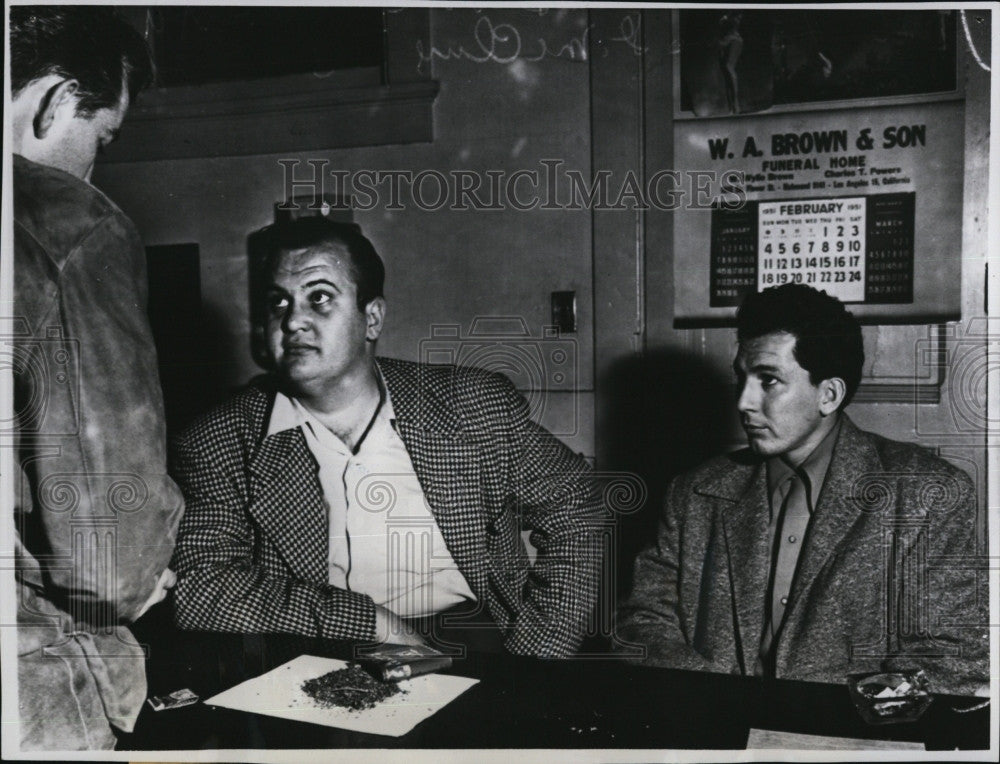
(317, 282)
(759, 367)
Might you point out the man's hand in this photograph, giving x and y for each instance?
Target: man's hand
(165, 582)
(390, 628)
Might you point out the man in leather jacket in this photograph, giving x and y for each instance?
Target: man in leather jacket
(95, 512)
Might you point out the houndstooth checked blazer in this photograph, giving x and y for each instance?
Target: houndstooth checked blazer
(252, 547)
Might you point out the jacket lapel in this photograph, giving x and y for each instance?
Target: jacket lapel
(447, 462)
(745, 517)
(448, 469)
(287, 502)
(837, 510)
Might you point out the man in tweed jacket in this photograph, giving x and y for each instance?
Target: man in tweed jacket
(878, 576)
(255, 550)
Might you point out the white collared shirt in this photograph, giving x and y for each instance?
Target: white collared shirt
(384, 540)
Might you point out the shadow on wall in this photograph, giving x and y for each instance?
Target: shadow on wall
(194, 352)
(196, 358)
(663, 414)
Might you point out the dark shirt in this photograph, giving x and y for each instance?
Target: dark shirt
(812, 472)
(786, 534)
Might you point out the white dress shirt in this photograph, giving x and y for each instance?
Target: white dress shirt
(384, 540)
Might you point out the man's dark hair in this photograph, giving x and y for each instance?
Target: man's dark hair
(828, 338)
(93, 45)
(317, 232)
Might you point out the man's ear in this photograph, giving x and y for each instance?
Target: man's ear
(374, 317)
(58, 102)
(831, 395)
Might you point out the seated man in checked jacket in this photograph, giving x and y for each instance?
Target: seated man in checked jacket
(351, 498)
(823, 549)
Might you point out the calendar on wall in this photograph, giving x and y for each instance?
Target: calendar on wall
(857, 248)
(813, 241)
(880, 228)
(850, 184)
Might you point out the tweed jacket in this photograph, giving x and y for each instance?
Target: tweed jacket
(883, 579)
(95, 511)
(252, 547)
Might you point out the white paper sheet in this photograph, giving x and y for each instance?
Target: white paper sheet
(279, 693)
(773, 739)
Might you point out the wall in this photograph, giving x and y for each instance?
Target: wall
(505, 104)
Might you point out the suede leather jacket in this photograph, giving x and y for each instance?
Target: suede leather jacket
(95, 512)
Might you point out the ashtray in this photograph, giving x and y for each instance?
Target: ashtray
(890, 698)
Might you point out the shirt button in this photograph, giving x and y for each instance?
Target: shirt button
(784, 600)
(792, 539)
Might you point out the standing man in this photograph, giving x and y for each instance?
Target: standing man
(352, 498)
(822, 549)
(96, 514)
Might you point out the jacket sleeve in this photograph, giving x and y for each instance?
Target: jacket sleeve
(222, 582)
(942, 630)
(554, 496)
(651, 617)
(104, 512)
